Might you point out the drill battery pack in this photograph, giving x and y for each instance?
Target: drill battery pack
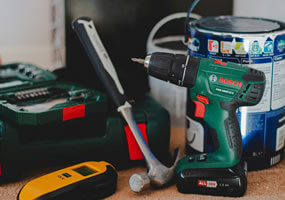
(45, 122)
(214, 181)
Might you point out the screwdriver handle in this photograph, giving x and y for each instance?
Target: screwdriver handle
(101, 62)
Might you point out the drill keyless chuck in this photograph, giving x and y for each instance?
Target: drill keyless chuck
(178, 69)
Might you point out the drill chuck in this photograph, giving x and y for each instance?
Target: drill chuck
(178, 69)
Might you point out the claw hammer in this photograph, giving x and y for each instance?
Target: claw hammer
(158, 174)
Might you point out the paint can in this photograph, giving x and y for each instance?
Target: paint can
(260, 44)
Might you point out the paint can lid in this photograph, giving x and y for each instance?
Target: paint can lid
(232, 24)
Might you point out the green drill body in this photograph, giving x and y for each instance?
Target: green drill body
(227, 86)
(218, 89)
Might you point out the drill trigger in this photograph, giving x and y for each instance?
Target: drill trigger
(199, 110)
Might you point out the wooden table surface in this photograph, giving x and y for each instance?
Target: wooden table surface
(266, 184)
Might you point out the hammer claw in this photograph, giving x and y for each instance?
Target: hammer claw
(158, 174)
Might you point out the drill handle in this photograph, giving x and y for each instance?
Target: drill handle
(100, 60)
(250, 94)
(234, 134)
(221, 118)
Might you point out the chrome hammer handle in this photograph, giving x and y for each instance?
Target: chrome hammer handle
(86, 31)
(100, 60)
(84, 27)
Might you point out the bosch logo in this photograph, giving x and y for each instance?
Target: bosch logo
(230, 82)
(213, 78)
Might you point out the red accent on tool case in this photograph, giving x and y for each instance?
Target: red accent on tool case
(0, 169)
(73, 112)
(134, 150)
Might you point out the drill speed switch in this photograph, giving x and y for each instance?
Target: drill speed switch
(178, 69)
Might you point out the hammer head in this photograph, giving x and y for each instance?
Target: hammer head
(158, 174)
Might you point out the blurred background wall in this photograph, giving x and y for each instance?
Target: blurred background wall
(30, 31)
(271, 9)
(34, 31)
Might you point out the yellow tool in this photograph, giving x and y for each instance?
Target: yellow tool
(84, 181)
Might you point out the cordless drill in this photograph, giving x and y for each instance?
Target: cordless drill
(217, 89)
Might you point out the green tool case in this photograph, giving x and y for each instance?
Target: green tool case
(44, 122)
(33, 97)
